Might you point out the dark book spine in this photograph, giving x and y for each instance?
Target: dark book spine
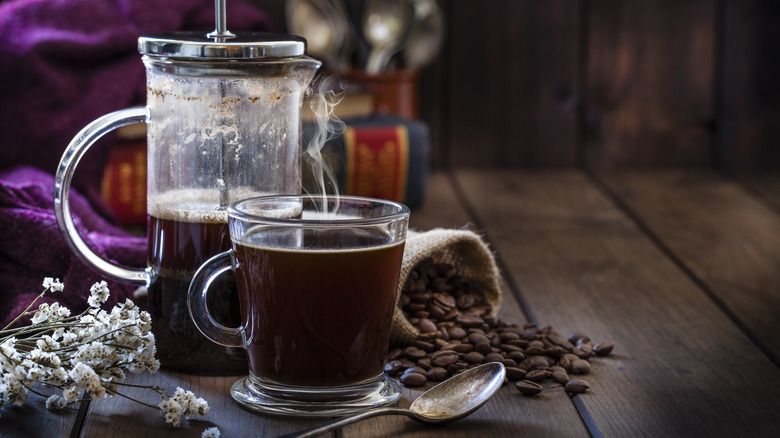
(380, 157)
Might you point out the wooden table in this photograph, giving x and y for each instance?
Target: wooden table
(681, 269)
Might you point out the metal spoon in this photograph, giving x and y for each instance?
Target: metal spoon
(313, 20)
(385, 26)
(448, 401)
(426, 35)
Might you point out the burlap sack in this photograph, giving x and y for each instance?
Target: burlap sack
(462, 249)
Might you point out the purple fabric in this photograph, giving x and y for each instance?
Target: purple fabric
(32, 246)
(63, 63)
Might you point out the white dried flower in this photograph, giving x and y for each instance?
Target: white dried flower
(44, 358)
(55, 402)
(71, 394)
(192, 406)
(47, 343)
(53, 284)
(86, 378)
(98, 294)
(172, 411)
(211, 432)
(50, 312)
(56, 376)
(90, 351)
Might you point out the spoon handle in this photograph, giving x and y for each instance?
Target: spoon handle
(341, 422)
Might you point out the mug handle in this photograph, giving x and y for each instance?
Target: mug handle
(73, 154)
(198, 308)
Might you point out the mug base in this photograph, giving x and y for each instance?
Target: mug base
(285, 400)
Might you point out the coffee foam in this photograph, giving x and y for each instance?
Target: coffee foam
(195, 205)
(300, 249)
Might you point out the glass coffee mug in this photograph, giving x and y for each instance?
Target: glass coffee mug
(317, 279)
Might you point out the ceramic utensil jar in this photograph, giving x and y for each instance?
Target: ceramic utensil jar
(223, 124)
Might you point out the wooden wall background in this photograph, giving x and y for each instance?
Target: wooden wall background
(604, 84)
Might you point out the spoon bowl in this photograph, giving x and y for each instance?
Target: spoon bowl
(385, 27)
(446, 402)
(460, 395)
(325, 34)
(426, 35)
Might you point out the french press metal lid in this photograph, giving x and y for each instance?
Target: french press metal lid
(221, 44)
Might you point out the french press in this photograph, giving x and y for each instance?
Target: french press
(223, 117)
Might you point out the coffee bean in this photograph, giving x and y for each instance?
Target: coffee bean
(445, 300)
(533, 362)
(463, 348)
(457, 367)
(576, 386)
(414, 379)
(438, 374)
(603, 348)
(426, 346)
(435, 311)
(413, 353)
(451, 315)
(444, 358)
(554, 351)
(559, 341)
(415, 370)
(426, 325)
(527, 387)
(419, 298)
(469, 320)
(406, 362)
(457, 333)
(522, 343)
(536, 375)
(474, 358)
(517, 356)
(483, 348)
(509, 348)
(393, 368)
(560, 377)
(576, 336)
(465, 301)
(494, 357)
(478, 338)
(509, 363)
(580, 366)
(514, 373)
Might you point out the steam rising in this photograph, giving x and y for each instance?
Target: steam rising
(326, 94)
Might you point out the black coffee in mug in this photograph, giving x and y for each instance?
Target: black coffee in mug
(317, 316)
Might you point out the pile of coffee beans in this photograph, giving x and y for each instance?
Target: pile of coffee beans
(457, 333)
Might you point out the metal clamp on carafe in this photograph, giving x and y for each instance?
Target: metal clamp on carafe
(223, 123)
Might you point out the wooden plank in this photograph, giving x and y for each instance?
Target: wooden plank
(766, 185)
(513, 82)
(650, 73)
(749, 128)
(33, 419)
(680, 366)
(729, 240)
